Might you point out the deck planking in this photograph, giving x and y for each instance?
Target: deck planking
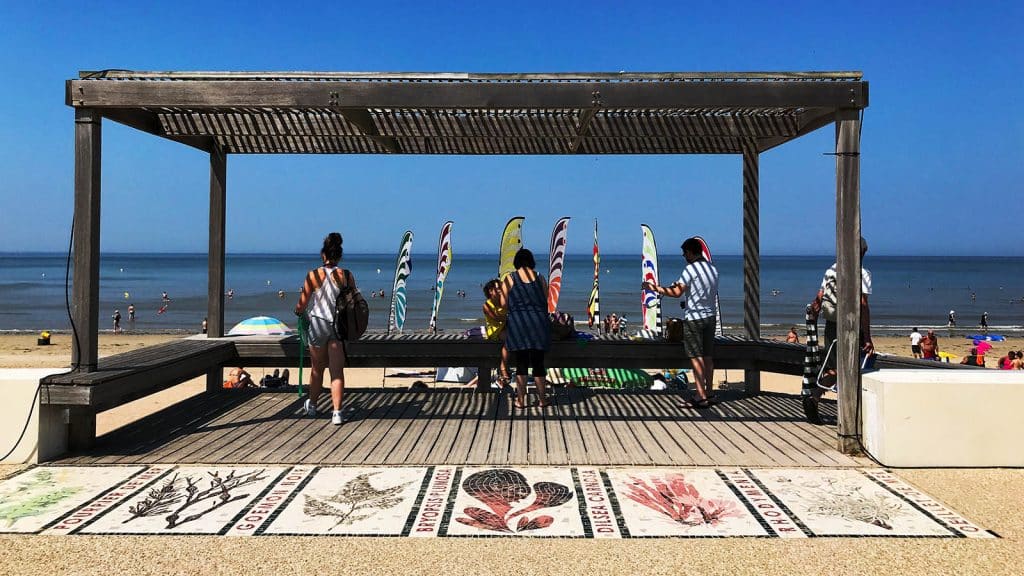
(464, 427)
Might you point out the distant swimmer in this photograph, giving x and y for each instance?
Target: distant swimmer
(230, 293)
(280, 293)
(165, 297)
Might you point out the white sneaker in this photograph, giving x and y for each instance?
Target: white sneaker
(336, 418)
(308, 408)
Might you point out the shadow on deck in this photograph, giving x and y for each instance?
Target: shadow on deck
(454, 426)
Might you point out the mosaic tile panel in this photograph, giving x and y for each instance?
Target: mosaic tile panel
(584, 502)
(845, 503)
(682, 502)
(537, 502)
(187, 500)
(352, 502)
(31, 500)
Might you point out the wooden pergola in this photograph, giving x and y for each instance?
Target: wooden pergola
(225, 113)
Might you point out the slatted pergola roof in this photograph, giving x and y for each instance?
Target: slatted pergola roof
(450, 113)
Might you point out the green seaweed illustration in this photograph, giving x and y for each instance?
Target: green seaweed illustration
(34, 496)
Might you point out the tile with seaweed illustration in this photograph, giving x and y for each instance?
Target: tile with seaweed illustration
(35, 498)
(352, 501)
(520, 502)
(187, 500)
(845, 502)
(681, 502)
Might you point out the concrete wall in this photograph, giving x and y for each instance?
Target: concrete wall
(45, 437)
(944, 417)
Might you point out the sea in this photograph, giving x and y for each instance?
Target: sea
(908, 291)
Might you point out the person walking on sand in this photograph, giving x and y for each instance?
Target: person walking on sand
(316, 302)
(915, 343)
(117, 321)
(826, 302)
(951, 321)
(984, 322)
(699, 283)
(524, 294)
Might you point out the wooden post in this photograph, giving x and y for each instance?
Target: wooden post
(848, 268)
(85, 308)
(751, 256)
(215, 258)
(81, 428)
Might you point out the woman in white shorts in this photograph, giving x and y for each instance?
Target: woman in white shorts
(316, 301)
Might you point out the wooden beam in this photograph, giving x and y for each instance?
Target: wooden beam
(85, 307)
(148, 122)
(751, 256)
(361, 119)
(216, 256)
(809, 122)
(848, 268)
(581, 132)
(200, 94)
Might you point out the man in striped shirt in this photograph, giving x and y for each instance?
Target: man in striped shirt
(699, 284)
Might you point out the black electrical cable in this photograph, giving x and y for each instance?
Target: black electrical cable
(74, 333)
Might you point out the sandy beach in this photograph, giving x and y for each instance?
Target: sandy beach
(992, 498)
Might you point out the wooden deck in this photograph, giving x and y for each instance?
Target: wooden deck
(457, 426)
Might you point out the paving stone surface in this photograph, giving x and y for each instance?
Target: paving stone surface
(465, 501)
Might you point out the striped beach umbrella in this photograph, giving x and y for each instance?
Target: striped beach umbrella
(260, 325)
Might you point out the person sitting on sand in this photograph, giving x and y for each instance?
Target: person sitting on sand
(239, 378)
(1006, 362)
(793, 337)
(974, 358)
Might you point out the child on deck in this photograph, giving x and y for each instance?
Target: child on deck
(494, 328)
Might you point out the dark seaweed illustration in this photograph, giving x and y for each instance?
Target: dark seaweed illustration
(674, 497)
(168, 497)
(356, 495)
(500, 489)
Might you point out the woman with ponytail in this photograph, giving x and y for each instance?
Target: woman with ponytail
(316, 302)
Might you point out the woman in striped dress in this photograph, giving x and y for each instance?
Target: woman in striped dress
(524, 293)
(316, 301)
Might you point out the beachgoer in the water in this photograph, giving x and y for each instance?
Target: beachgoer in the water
(117, 321)
(131, 312)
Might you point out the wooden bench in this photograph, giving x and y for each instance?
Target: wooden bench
(122, 378)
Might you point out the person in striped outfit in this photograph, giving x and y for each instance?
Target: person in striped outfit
(319, 292)
(699, 284)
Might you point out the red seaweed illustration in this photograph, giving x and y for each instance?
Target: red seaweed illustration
(674, 497)
(500, 489)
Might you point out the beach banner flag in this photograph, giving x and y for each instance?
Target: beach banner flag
(594, 304)
(718, 307)
(403, 267)
(651, 300)
(444, 263)
(511, 242)
(556, 261)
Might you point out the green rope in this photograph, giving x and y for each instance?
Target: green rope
(302, 348)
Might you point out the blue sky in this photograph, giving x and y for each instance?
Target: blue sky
(941, 150)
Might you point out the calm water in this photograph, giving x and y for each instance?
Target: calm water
(908, 291)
